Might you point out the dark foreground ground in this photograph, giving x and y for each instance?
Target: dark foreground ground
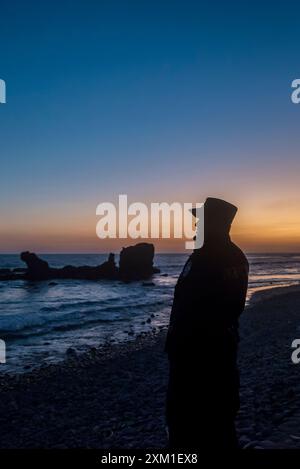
(115, 396)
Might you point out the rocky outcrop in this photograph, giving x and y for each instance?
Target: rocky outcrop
(107, 270)
(136, 263)
(9, 274)
(37, 269)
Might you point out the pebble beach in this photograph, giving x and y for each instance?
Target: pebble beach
(114, 396)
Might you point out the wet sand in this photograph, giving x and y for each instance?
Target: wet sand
(114, 396)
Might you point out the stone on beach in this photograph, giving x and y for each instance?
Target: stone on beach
(114, 396)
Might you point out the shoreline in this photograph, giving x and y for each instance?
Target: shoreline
(266, 293)
(101, 398)
(115, 346)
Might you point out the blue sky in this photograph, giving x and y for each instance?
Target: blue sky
(162, 100)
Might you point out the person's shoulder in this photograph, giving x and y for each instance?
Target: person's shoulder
(200, 261)
(239, 254)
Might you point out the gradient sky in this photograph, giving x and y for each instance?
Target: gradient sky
(161, 100)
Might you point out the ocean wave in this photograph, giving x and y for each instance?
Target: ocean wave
(104, 305)
(49, 317)
(18, 322)
(75, 303)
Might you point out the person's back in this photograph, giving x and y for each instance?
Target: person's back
(203, 335)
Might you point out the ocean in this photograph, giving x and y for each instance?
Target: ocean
(39, 321)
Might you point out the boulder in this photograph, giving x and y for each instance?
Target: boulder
(136, 262)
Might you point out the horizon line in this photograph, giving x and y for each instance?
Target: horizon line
(156, 252)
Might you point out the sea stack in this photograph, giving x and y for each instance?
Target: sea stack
(136, 262)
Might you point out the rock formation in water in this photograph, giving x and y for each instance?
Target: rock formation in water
(136, 263)
(37, 269)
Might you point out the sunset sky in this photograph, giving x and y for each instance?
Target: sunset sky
(160, 100)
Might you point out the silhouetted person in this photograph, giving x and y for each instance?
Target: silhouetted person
(202, 340)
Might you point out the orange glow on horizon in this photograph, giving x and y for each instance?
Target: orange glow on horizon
(263, 223)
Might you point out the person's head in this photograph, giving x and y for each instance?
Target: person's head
(218, 216)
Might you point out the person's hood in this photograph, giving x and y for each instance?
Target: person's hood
(218, 216)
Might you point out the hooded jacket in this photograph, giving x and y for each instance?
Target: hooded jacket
(211, 291)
